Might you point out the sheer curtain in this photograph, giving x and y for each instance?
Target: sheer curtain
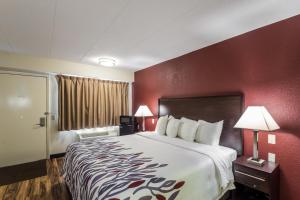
(89, 103)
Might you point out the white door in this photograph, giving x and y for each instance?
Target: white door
(23, 101)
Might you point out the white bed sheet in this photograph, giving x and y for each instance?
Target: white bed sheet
(204, 167)
(205, 170)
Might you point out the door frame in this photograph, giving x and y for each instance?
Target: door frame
(4, 70)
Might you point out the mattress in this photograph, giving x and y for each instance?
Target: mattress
(147, 166)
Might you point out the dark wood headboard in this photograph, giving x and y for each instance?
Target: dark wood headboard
(211, 109)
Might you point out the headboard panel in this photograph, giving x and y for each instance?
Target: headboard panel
(211, 109)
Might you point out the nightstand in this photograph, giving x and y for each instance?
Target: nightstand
(264, 179)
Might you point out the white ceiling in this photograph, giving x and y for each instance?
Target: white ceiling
(138, 33)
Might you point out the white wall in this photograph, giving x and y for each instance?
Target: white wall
(22, 62)
(58, 141)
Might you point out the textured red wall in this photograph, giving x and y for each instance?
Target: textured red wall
(263, 64)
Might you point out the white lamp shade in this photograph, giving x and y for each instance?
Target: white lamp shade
(143, 111)
(257, 118)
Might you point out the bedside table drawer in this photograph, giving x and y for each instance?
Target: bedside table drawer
(253, 181)
(252, 172)
(264, 179)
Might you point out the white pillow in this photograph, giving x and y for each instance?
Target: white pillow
(188, 129)
(161, 125)
(209, 133)
(173, 126)
(170, 117)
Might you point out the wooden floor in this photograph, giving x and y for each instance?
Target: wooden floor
(47, 187)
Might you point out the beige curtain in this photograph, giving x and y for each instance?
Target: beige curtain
(88, 103)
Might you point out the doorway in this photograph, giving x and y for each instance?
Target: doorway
(23, 126)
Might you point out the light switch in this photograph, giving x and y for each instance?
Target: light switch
(53, 117)
(271, 139)
(271, 157)
(153, 121)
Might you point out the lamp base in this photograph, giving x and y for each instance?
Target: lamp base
(257, 162)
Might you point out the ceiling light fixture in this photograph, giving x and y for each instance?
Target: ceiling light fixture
(107, 62)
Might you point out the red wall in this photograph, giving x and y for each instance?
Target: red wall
(263, 64)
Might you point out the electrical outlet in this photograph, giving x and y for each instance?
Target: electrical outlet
(271, 139)
(152, 121)
(271, 157)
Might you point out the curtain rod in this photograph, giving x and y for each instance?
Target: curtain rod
(92, 77)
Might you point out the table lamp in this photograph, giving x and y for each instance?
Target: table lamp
(256, 118)
(143, 111)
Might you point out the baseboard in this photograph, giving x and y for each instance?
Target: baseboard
(15, 173)
(58, 155)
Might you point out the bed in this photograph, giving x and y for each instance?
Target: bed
(150, 166)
